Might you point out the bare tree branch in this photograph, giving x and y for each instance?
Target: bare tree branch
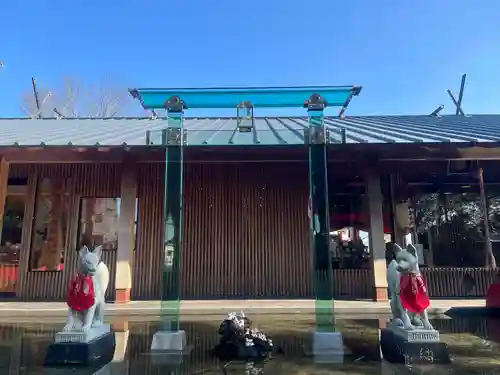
(76, 99)
(28, 103)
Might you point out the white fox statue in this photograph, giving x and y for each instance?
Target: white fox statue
(86, 292)
(404, 269)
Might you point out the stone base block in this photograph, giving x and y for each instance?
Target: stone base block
(328, 347)
(413, 347)
(169, 341)
(169, 348)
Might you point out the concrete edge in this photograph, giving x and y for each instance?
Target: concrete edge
(155, 311)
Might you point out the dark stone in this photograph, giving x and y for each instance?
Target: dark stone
(239, 342)
(94, 353)
(396, 349)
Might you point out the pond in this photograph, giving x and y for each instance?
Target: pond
(472, 343)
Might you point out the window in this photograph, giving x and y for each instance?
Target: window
(12, 228)
(12, 232)
(99, 220)
(50, 225)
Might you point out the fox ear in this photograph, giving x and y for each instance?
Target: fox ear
(98, 251)
(412, 250)
(83, 250)
(396, 248)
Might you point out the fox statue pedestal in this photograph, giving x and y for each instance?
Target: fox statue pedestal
(418, 346)
(79, 348)
(85, 339)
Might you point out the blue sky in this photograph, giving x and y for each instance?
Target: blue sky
(405, 54)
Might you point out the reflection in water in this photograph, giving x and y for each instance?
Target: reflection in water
(472, 347)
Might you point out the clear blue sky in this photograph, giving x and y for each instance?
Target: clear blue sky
(405, 54)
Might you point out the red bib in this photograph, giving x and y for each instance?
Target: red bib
(81, 294)
(414, 296)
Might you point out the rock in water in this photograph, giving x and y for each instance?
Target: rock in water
(240, 342)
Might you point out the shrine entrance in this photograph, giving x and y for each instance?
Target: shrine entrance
(176, 139)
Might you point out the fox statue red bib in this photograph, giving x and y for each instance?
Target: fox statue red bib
(81, 293)
(414, 295)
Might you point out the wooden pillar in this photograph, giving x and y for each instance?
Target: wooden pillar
(399, 233)
(4, 182)
(126, 234)
(489, 261)
(376, 234)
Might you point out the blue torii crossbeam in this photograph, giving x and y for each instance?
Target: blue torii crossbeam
(260, 97)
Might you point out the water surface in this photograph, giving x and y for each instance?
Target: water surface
(473, 344)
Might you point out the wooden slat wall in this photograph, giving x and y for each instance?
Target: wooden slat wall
(94, 180)
(245, 231)
(147, 264)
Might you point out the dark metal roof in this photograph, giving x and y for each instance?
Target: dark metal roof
(267, 131)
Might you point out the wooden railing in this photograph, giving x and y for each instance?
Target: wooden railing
(463, 282)
(353, 283)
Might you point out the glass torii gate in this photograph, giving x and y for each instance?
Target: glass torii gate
(175, 137)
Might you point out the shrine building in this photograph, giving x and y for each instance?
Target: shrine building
(245, 210)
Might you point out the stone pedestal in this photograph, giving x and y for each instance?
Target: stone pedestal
(169, 341)
(78, 348)
(169, 348)
(417, 346)
(328, 347)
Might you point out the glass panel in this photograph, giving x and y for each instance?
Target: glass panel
(173, 223)
(50, 225)
(320, 228)
(98, 220)
(12, 232)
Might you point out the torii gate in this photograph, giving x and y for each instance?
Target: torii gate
(174, 138)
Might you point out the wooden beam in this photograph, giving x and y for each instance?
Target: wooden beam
(126, 233)
(261, 154)
(4, 181)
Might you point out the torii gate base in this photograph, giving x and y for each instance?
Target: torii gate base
(327, 344)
